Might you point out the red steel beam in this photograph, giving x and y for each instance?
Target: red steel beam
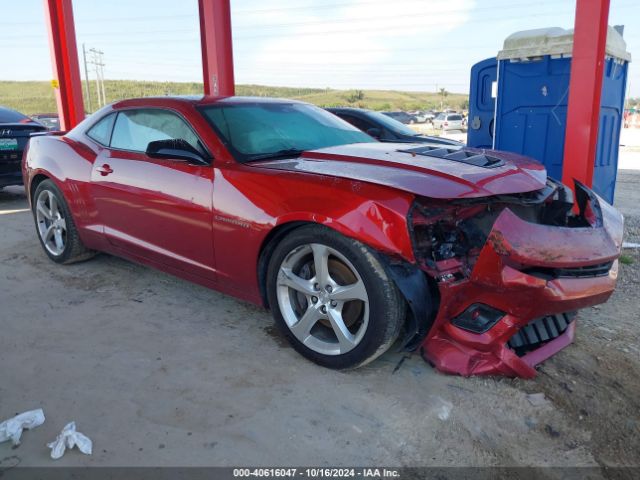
(585, 89)
(64, 56)
(217, 48)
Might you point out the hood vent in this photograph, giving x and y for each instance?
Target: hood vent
(457, 155)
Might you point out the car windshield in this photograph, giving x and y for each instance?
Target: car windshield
(254, 131)
(11, 116)
(390, 123)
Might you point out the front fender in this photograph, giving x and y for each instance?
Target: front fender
(372, 222)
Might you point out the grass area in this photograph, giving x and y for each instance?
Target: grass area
(38, 97)
(626, 259)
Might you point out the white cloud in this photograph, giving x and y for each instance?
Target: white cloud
(313, 47)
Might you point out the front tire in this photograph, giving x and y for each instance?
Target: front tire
(55, 227)
(332, 298)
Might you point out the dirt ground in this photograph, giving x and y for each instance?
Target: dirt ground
(157, 371)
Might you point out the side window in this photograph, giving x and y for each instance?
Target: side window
(101, 131)
(134, 129)
(357, 122)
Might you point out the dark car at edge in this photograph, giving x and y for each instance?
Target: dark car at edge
(15, 130)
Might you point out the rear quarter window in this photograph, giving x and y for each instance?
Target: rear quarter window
(101, 131)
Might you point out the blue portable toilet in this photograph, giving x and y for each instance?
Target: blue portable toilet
(531, 75)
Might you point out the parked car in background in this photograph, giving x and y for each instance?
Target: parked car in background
(421, 116)
(402, 117)
(384, 128)
(49, 120)
(15, 129)
(448, 121)
(417, 114)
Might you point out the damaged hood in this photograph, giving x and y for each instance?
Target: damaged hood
(430, 170)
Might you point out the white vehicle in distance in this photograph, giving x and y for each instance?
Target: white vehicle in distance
(448, 121)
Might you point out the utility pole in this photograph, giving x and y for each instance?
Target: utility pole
(86, 78)
(98, 63)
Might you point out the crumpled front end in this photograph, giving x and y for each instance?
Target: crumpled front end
(511, 274)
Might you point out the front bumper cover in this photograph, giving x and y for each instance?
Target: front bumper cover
(502, 279)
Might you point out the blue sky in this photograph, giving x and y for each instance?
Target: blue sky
(416, 45)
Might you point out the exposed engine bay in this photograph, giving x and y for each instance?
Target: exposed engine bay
(448, 235)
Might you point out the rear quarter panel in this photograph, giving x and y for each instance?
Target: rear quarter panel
(68, 163)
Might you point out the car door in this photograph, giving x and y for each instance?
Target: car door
(158, 209)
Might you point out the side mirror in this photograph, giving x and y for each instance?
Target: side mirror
(175, 149)
(374, 132)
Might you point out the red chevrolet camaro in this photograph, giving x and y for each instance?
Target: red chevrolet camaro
(473, 257)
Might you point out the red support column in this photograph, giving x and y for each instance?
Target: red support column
(64, 55)
(585, 89)
(217, 48)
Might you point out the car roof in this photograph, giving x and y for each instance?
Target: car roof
(18, 117)
(197, 100)
(7, 109)
(347, 109)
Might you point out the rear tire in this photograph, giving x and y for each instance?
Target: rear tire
(56, 230)
(342, 317)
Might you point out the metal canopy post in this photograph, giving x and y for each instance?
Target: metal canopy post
(64, 57)
(217, 48)
(585, 89)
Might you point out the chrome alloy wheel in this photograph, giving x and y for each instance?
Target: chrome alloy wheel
(52, 225)
(323, 299)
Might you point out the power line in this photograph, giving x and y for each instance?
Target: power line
(103, 20)
(388, 17)
(250, 11)
(301, 24)
(195, 39)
